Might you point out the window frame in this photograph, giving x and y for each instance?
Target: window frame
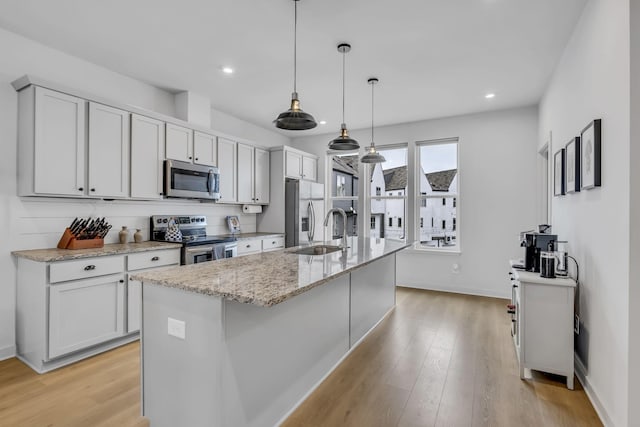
(418, 197)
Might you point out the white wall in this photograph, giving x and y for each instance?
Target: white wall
(497, 157)
(31, 223)
(233, 126)
(592, 81)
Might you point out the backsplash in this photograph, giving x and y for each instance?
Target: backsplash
(39, 222)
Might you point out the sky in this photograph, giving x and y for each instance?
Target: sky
(435, 157)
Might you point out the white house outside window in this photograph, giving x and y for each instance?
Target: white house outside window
(344, 183)
(437, 190)
(390, 178)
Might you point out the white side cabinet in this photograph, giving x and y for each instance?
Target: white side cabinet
(69, 310)
(542, 313)
(253, 175)
(108, 151)
(147, 157)
(260, 244)
(51, 143)
(227, 162)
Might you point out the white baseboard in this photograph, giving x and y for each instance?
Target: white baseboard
(591, 392)
(7, 352)
(458, 290)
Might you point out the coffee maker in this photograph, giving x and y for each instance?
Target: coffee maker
(534, 243)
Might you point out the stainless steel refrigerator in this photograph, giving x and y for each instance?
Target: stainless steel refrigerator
(304, 212)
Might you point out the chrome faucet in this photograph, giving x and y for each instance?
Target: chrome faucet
(344, 224)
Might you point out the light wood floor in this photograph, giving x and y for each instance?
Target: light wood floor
(437, 360)
(441, 359)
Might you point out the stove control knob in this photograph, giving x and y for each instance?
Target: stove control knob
(159, 220)
(164, 220)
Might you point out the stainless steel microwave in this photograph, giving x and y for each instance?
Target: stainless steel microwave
(189, 181)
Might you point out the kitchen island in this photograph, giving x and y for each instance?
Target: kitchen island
(242, 341)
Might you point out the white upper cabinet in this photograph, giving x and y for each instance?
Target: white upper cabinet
(179, 143)
(309, 168)
(52, 143)
(108, 151)
(227, 160)
(245, 174)
(262, 176)
(300, 166)
(205, 149)
(147, 157)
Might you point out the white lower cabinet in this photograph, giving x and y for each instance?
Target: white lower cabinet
(70, 310)
(86, 312)
(257, 245)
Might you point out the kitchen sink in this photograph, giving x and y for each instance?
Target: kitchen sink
(317, 250)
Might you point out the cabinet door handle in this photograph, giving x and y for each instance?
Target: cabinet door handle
(90, 267)
(196, 158)
(189, 157)
(93, 189)
(81, 189)
(121, 280)
(155, 258)
(273, 243)
(248, 246)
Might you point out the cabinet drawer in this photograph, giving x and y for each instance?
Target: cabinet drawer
(249, 246)
(153, 259)
(272, 243)
(84, 268)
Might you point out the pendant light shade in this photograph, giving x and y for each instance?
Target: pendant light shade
(343, 142)
(372, 155)
(294, 118)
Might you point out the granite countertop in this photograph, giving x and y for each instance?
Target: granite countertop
(247, 236)
(54, 254)
(269, 278)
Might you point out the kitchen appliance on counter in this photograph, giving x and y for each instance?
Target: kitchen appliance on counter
(197, 246)
(304, 212)
(534, 243)
(189, 181)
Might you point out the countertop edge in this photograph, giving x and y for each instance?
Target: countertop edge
(108, 250)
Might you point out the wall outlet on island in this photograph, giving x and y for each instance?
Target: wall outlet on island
(176, 328)
(576, 324)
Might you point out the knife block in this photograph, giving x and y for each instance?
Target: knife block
(68, 241)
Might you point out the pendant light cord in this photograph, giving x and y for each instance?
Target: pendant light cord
(295, 47)
(372, 84)
(344, 54)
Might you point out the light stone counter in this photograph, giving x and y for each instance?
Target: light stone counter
(269, 278)
(54, 254)
(256, 235)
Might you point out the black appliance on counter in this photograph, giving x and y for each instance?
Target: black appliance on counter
(197, 246)
(534, 243)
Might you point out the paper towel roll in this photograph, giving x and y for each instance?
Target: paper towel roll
(252, 208)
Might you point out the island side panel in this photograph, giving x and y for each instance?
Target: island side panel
(181, 378)
(373, 294)
(276, 355)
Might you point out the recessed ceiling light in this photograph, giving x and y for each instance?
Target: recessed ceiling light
(323, 122)
(227, 70)
(490, 95)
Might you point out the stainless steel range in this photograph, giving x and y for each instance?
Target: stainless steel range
(197, 246)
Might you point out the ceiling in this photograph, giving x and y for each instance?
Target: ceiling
(434, 58)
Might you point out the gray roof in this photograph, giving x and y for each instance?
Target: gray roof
(395, 178)
(441, 180)
(349, 164)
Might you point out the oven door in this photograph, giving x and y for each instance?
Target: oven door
(186, 180)
(198, 254)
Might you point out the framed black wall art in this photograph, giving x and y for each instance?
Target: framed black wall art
(558, 173)
(591, 147)
(572, 168)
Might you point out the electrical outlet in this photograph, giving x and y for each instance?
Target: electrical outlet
(176, 328)
(576, 324)
(455, 268)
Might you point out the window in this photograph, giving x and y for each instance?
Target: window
(389, 181)
(344, 192)
(437, 182)
(373, 222)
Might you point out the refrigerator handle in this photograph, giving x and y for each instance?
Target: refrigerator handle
(312, 221)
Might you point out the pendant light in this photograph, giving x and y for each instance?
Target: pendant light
(372, 155)
(294, 118)
(343, 142)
